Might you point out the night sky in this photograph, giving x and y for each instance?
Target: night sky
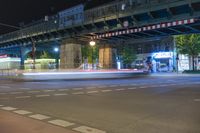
(14, 12)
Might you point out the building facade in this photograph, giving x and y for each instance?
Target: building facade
(160, 55)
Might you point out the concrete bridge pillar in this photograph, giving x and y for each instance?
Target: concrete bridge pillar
(70, 54)
(22, 57)
(106, 56)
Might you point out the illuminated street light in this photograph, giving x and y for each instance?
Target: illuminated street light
(92, 43)
(56, 49)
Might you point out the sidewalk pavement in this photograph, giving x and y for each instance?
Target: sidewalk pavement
(174, 74)
(13, 123)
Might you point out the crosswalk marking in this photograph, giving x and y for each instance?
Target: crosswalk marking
(49, 90)
(106, 90)
(91, 92)
(5, 87)
(22, 112)
(143, 87)
(25, 88)
(39, 117)
(63, 90)
(197, 100)
(102, 86)
(90, 87)
(78, 93)
(42, 95)
(8, 108)
(61, 123)
(133, 88)
(61, 94)
(13, 93)
(120, 89)
(33, 91)
(77, 89)
(113, 86)
(22, 97)
(86, 129)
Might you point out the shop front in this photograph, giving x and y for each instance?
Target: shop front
(163, 62)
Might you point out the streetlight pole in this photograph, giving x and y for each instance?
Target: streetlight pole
(57, 57)
(92, 44)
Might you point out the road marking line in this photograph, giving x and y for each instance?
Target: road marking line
(63, 90)
(8, 108)
(91, 92)
(143, 87)
(113, 86)
(22, 97)
(3, 93)
(5, 87)
(34, 92)
(106, 90)
(86, 129)
(22, 112)
(163, 85)
(102, 86)
(1, 105)
(78, 93)
(91, 87)
(132, 88)
(64, 94)
(39, 117)
(77, 88)
(42, 95)
(197, 100)
(120, 89)
(25, 88)
(61, 123)
(13, 93)
(49, 90)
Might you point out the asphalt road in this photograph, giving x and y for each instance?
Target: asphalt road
(157, 104)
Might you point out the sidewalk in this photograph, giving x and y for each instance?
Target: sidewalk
(13, 123)
(174, 74)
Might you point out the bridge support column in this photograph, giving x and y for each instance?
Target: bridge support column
(22, 57)
(70, 54)
(106, 56)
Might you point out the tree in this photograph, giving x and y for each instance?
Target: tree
(189, 45)
(45, 55)
(128, 55)
(88, 52)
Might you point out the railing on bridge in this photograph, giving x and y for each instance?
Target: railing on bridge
(109, 10)
(44, 27)
(121, 7)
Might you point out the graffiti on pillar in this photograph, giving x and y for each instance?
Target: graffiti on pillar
(77, 61)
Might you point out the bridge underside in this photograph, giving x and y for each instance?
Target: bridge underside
(116, 20)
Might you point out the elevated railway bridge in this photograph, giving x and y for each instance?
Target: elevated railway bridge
(113, 23)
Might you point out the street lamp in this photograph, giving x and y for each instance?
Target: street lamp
(92, 44)
(56, 50)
